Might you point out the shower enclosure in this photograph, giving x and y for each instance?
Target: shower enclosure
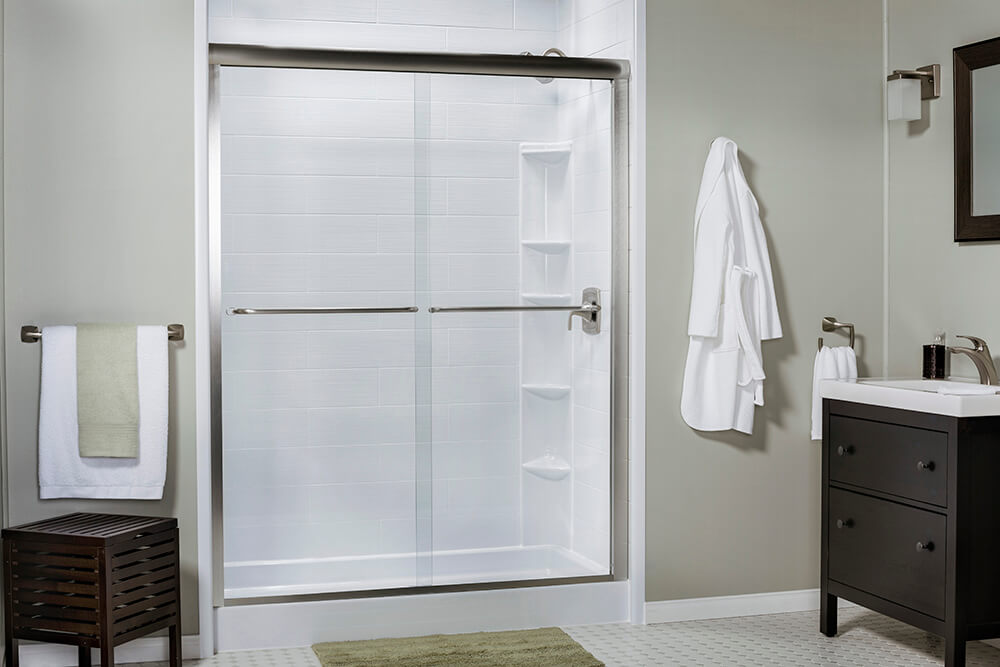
(420, 320)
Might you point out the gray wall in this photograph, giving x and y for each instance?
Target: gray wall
(98, 189)
(934, 282)
(797, 84)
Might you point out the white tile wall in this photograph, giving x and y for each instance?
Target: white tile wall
(318, 201)
(592, 28)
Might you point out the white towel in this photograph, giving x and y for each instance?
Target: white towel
(836, 363)
(62, 472)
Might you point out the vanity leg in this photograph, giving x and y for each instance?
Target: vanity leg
(954, 648)
(828, 614)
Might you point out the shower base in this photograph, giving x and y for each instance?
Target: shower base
(253, 579)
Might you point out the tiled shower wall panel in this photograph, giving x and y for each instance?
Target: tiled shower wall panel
(598, 28)
(318, 181)
(480, 26)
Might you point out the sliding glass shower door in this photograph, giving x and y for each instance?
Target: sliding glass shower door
(415, 314)
(319, 333)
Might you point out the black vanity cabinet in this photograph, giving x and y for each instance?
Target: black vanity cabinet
(911, 520)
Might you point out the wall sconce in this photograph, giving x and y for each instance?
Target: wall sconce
(906, 88)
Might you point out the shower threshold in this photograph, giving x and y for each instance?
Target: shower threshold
(260, 579)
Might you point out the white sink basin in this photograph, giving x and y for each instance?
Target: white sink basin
(955, 397)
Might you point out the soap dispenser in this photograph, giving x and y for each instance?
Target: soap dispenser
(935, 357)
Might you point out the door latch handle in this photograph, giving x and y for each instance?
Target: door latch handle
(589, 311)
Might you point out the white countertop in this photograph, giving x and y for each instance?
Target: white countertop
(918, 395)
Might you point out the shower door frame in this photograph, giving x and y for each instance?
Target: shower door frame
(617, 73)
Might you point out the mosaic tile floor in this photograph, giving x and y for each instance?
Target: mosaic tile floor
(866, 639)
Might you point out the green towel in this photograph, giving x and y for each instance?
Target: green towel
(107, 390)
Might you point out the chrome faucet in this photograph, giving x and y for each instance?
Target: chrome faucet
(980, 355)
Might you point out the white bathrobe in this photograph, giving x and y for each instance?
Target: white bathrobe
(733, 307)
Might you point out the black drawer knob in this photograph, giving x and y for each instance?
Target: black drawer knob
(925, 546)
(845, 523)
(845, 451)
(928, 466)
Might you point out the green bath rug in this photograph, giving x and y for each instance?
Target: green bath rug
(546, 647)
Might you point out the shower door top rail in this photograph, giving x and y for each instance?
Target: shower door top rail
(317, 310)
(245, 55)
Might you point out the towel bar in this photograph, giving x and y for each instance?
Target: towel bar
(32, 334)
(830, 323)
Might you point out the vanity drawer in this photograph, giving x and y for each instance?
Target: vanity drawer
(901, 460)
(890, 550)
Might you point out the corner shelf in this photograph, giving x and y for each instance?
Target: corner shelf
(549, 153)
(548, 467)
(547, 247)
(548, 299)
(550, 392)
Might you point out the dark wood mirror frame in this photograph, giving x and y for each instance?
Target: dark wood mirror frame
(969, 227)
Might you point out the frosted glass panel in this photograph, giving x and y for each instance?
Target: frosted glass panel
(318, 409)
(522, 405)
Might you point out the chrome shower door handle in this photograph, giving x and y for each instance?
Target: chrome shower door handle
(589, 312)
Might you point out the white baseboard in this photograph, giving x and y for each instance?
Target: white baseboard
(728, 606)
(755, 604)
(145, 649)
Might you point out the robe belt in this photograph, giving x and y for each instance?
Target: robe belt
(751, 355)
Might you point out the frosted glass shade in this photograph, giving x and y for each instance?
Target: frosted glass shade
(903, 98)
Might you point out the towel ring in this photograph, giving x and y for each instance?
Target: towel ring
(830, 323)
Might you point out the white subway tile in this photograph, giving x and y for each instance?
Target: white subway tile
(484, 347)
(310, 156)
(476, 384)
(536, 14)
(592, 428)
(475, 459)
(360, 349)
(592, 231)
(498, 421)
(346, 502)
(265, 351)
(263, 429)
(282, 82)
(476, 234)
(361, 426)
(476, 531)
(592, 192)
(297, 233)
(361, 272)
(326, 34)
(593, 269)
(475, 159)
(312, 10)
(483, 272)
(520, 122)
(486, 40)
(592, 389)
(397, 536)
(341, 195)
(482, 196)
(592, 467)
(396, 386)
(260, 390)
(472, 88)
(265, 273)
(246, 505)
(304, 117)
(485, 493)
(482, 13)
